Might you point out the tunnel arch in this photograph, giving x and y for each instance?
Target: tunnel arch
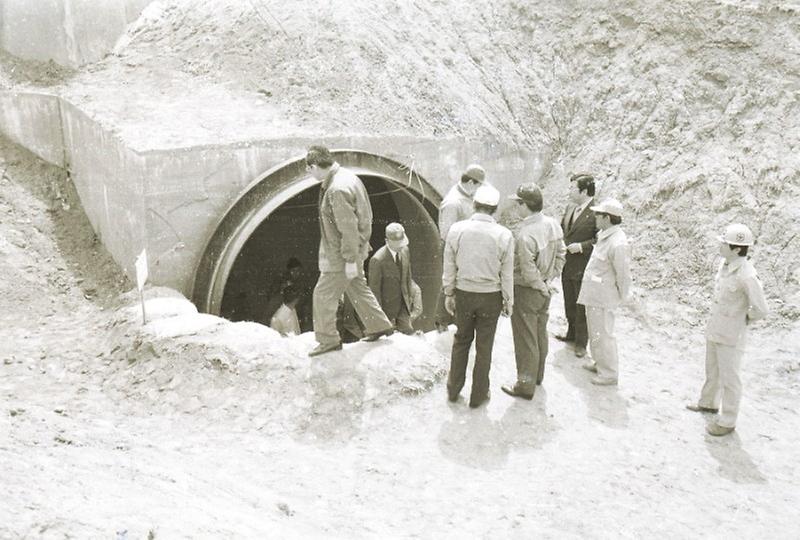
(271, 191)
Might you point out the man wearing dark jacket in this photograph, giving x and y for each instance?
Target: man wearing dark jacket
(390, 278)
(345, 223)
(580, 234)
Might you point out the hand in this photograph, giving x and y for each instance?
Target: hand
(574, 247)
(450, 305)
(507, 310)
(350, 270)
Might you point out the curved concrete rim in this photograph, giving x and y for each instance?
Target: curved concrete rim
(269, 192)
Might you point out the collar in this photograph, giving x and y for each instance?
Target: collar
(461, 190)
(326, 182)
(480, 216)
(734, 265)
(393, 252)
(581, 207)
(533, 218)
(608, 232)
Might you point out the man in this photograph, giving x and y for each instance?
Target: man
(390, 278)
(294, 276)
(738, 301)
(456, 206)
(606, 285)
(345, 222)
(285, 321)
(478, 281)
(579, 235)
(538, 258)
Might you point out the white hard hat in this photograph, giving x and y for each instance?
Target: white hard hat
(737, 234)
(487, 195)
(609, 206)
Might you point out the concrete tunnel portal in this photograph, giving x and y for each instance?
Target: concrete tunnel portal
(275, 218)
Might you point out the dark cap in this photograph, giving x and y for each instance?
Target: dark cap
(528, 193)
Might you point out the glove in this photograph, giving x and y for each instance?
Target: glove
(450, 305)
(350, 270)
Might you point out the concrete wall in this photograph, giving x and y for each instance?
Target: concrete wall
(34, 121)
(69, 32)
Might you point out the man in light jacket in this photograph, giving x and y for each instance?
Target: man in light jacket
(738, 301)
(538, 258)
(478, 279)
(606, 284)
(345, 223)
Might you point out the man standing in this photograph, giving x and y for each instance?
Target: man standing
(579, 235)
(390, 278)
(606, 285)
(478, 280)
(456, 206)
(345, 222)
(538, 258)
(738, 301)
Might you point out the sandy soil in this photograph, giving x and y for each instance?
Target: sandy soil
(192, 426)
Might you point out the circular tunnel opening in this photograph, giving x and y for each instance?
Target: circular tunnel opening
(245, 263)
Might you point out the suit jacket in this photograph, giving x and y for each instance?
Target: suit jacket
(391, 285)
(582, 231)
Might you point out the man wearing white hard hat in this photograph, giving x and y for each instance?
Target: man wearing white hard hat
(456, 206)
(606, 284)
(478, 283)
(738, 301)
(390, 278)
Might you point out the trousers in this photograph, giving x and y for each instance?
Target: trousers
(602, 341)
(529, 328)
(575, 313)
(476, 319)
(330, 287)
(723, 387)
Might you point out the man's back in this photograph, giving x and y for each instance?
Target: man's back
(479, 248)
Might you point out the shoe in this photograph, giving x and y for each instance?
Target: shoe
(565, 338)
(602, 381)
(717, 430)
(700, 408)
(452, 398)
(580, 352)
(516, 392)
(323, 348)
(377, 335)
(590, 366)
(474, 404)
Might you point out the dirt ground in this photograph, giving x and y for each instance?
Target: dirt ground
(192, 426)
(196, 427)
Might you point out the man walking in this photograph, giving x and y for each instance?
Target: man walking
(456, 206)
(345, 222)
(606, 285)
(538, 258)
(390, 278)
(579, 235)
(738, 301)
(478, 280)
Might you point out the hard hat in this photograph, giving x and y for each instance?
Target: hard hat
(487, 195)
(475, 172)
(609, 206)
(397, 234)
(529, 193)
(737, 234)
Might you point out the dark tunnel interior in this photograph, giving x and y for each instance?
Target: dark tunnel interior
(252, 292)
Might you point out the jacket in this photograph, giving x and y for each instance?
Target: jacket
(390, 283)
(345, 220)
(738, 300)
(539, 252)
(583, 231)
(456, 206)
(607, 278)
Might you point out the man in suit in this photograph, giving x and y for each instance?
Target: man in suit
(390, 278)
(580, 234)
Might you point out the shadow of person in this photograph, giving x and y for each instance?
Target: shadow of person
(336, 401)
(604, 404)
(735, 463)
(526, 425)
(472, 439)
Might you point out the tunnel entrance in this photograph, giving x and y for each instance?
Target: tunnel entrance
(276, 219)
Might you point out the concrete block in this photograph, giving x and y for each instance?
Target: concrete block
(33, 120)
